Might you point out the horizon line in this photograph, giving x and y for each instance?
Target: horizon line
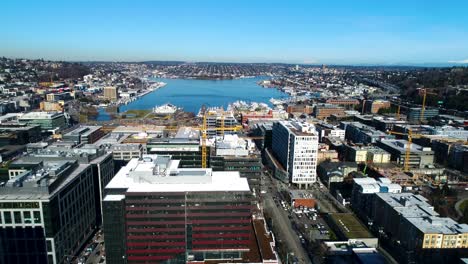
(419, 65)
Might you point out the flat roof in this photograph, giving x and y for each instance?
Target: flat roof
(350, 226)
(164, 175)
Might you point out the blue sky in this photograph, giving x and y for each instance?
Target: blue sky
(313, 31)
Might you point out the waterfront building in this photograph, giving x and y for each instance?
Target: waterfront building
(155, 211)
(295, 145)
(111, 93)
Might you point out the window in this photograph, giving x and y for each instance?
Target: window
(17, 216)
(7, 217)
(37, 217)
(27, 217)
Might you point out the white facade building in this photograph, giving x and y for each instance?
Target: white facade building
(295, 144)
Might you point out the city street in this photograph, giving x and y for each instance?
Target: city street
(282, 226)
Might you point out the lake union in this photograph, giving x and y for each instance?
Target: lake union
(191, 94)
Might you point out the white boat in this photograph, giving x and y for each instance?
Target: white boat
(165, 109)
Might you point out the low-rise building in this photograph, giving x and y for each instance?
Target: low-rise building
(360, 133)
(419, 156)
(322, 111)
(414, 114)
(84, 135)
(48, 121)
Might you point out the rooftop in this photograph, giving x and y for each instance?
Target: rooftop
(401, 145)
(40, 115)
(350, 226)
(158, 173)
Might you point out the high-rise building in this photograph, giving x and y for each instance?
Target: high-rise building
(156, 212)
(111, 93)
(295, 145)
(47, 214)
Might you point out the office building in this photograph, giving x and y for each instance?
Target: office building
(18, 134)
(300, 108)
(373, 106)
(420, 157)
(187, 150)
(414, 114)
(48, 121)
(328, 130)
(264, 134)
(360, 133)
(84, 135)
(155, 211)
(347, 102)
(237, 154)
(111, 93)
(450, 132)
(216, 119)
(47, 214)
(385, 124)
(366, 154)
(295, 146)
(322, 111)
(126, 152)
(458, 157)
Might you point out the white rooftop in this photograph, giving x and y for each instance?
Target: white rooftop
(158, 173)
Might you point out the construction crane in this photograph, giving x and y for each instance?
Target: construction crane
(423, 108)
(203, 129)
(410, 136)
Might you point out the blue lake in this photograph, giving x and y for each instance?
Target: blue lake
(192, 94)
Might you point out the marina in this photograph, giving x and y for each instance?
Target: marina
(190, 94)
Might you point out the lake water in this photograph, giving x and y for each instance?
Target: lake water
(192, 94)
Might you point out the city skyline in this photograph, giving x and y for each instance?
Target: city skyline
(364, 33)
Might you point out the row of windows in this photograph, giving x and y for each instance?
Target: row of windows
(20, 217)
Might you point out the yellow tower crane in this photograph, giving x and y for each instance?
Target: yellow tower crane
(423, 107)
(408, 146)
(203, 129)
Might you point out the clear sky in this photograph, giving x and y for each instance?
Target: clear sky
(311, 31)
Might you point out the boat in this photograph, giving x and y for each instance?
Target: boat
(165, 109)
